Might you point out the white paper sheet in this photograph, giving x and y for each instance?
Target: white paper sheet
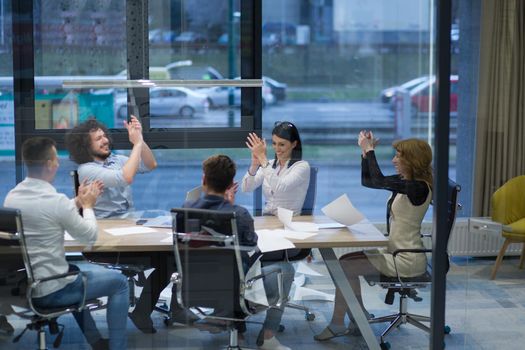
(285, 217)
(342, 211)
(131, 230)
(268, 241)
(365, 227)
(294, 234)
(302, 293)
(329, 225)
(303, 268)
(302, 226)
(256, 294)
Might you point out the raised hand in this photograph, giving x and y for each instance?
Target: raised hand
(366, 141)
(134, 130)
(258, 148)
(88, 193)
(229, 195)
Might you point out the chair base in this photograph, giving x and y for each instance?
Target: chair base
(402, 317)
(309, 316)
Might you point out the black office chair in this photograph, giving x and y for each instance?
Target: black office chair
(406, 287)
(19, 282)
(210, 274)
(133, 272)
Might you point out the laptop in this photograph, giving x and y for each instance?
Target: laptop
(194, 194)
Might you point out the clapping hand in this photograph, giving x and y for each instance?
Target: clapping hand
(367, 141)
(134, 130)
(258, 147)
(88, 193)
(229, 195)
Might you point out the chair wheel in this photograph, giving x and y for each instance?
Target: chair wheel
(281, 329)
(447, 330)
(384, 346)
(309, 316)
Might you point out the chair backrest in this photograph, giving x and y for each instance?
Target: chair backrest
(76, 185)
(208, 259)
(76, 180)
(452, 198)
(13, 252)
(508, 202)
(309, 200)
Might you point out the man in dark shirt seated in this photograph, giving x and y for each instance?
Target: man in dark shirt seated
(219, 194)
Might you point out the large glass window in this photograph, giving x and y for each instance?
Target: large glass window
(77, 40)
(7, 130)
(339, 67)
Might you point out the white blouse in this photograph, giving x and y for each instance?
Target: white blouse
(285, 188)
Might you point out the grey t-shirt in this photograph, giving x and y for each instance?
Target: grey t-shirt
(117, 199)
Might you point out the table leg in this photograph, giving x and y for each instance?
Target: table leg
(339, 278)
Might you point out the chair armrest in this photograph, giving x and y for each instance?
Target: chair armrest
(249, 284)
(57, 311)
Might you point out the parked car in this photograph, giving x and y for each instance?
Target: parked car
(388, 93)
(420, 97)
(218, 96)
(172, 101)
(190, 38)
(277, 89)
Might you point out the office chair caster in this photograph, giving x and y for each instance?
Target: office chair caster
(384, 345)
(309, 316)
(447, 330)
(281, 328)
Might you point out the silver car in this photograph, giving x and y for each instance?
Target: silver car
(170, 101)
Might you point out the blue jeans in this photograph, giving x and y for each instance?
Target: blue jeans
(274, 315)
(100, 282)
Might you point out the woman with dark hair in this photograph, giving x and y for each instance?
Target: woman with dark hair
(285, 178)
(411, 194)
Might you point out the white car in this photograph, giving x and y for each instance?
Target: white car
(171, 101)
(218, 96)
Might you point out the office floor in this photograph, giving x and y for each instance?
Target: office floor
(483, 314)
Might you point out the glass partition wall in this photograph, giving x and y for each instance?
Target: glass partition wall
(331, 67)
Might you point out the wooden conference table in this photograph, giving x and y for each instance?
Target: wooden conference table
(325, 240)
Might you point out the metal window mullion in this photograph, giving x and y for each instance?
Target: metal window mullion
(137, 51)
(441, 156)
(23, 76)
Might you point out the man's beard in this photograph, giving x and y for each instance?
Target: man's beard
(101, 155)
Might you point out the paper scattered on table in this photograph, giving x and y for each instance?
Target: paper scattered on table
(365, 227)
(303, 268)
(302, 293)
(163, 221)
(285, 216)
(342, 211)
(268, 241)
(294, 234)
(131, 230)
(329, 225)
